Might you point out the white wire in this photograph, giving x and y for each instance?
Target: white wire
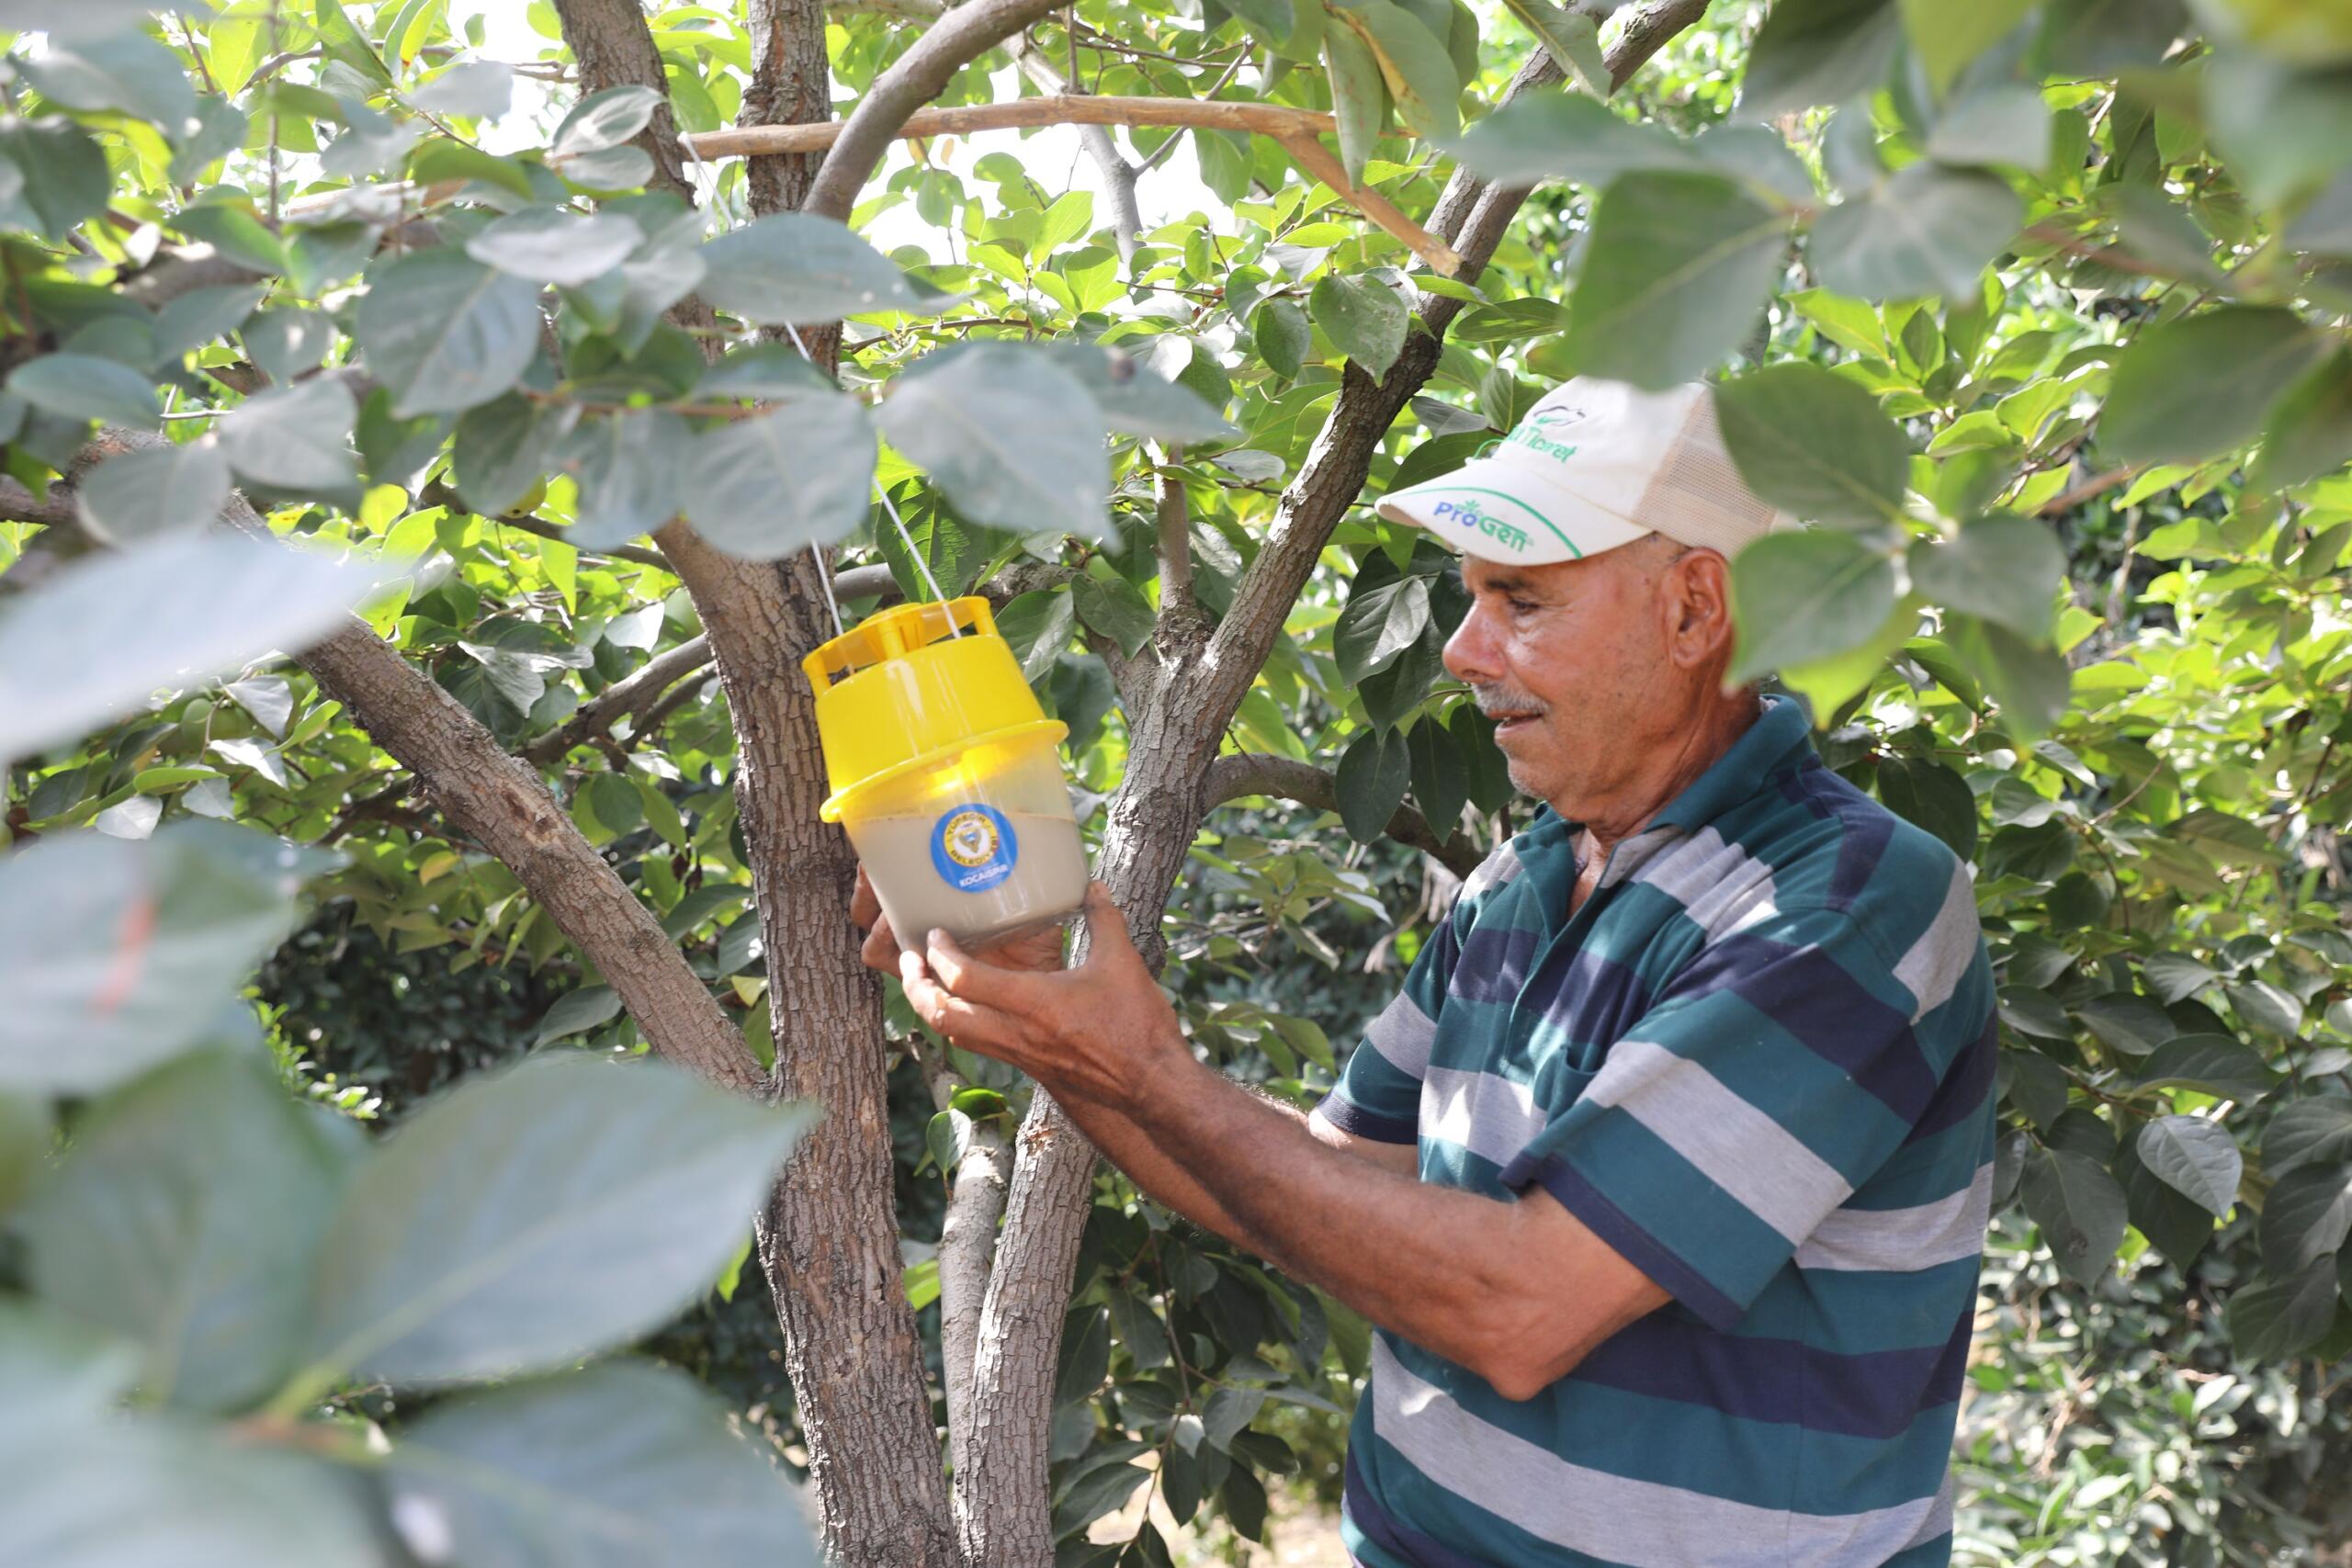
(906, 538)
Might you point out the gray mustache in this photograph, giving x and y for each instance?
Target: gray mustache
(1502, 705)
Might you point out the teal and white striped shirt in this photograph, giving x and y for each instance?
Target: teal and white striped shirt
(1758, 1062)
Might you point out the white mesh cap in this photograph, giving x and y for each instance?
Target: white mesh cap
(1594, 465)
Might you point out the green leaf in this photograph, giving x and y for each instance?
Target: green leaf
(2271, 1319)
(1363, 318)
(1675, 273)
(2079, 1208)
(615, 803)
(946, 1136)
(1039, 625)
(63, 175)
(137, 495)
(1440, 783)
(1095, 1493)
(116, 955)
(531, 1218)
(1373, 774)
(267, 698)
(1540, 137)
(1358, 98)
(2000, 124)
(503, 450)
(2309, 432)
(629, 467)
(626, 1463)
(1014, 439)
(1414, 64)
(1112, 605)
(1571, 38)
(1930, 795)
(1802, 595)
(761, 488)
(2306, 1216)
(1377, 624)
(1283, 336)
(184, 1217)
(1814, 444)
(2196, 1156)
(548, 245)
(287, 342)
(97, 640)
(1818, 52)
(2189, 389)
(128, 71)
(2306, 1133)
(230, 227)
(2003, 568)
(1510, 321)
(1946, 37)
(90, 1491)
(1136, 400)
(199, 317)
(2212, 1064)
(80, 386)
(438, 159)
(603, 119)
(794, 268)
(1927, 230)
(2029, 680)
(445, 332)
(295, 438)
(476, 89)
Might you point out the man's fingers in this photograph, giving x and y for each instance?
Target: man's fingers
(1106, 927)
(880, 950)
(976, 980)
(864, 903)
(974, 1028)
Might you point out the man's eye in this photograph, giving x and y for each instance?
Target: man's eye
(1522, 606)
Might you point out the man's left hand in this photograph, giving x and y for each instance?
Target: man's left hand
(1101, 1032)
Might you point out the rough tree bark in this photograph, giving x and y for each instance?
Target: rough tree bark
(828, 1240)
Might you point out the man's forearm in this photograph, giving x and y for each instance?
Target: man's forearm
(1131, 1148)
(1421, 1260)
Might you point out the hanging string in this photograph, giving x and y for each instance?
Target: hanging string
(707, 197)
(922, 567)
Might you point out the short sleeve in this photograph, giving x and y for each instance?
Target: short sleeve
(1379, 1092)
(1774, 1076)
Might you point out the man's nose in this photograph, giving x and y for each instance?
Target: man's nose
(1470, 652)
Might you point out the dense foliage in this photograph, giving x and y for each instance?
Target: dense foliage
(2037, 310)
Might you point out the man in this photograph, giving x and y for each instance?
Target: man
(1666, 1176)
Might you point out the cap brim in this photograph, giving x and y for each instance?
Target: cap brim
(1493, 511)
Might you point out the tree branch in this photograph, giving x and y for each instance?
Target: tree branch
(633, 692)
(918, 76)
(1243, 774)
(503, 805)
(615, 48)
(966, 1248)
(1175, 537)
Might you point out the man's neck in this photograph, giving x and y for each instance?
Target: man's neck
(1702, 745)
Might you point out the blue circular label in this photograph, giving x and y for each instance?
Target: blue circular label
(973, 848)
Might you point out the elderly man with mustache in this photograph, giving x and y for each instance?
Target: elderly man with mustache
(1664, 1177)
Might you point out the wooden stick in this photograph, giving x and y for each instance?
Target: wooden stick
(1064, 109)
(1317, 160)
(1296, 130)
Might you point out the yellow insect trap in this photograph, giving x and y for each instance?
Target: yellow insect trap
(944, 772)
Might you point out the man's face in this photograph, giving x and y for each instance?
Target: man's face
(1571, 660)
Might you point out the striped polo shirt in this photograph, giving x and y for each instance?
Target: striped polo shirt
(1758, 1063)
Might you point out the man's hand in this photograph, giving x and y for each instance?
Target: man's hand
(1101, 1031)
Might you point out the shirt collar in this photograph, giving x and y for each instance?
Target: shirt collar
(1778, 738)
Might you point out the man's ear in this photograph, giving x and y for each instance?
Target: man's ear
(1699, 600)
